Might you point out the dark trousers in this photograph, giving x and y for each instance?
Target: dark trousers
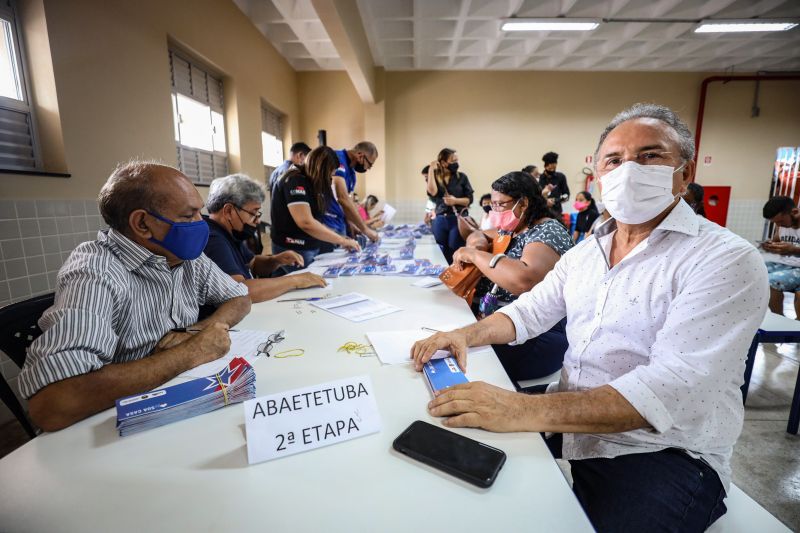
(657, 491)
(445, 231)
(537, 357)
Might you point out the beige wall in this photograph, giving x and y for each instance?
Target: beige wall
(501, 121)
(112, 79)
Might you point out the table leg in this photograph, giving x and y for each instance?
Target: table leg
(748, 366)
(794, 414)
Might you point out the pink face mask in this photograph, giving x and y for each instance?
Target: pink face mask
(580, 206)
(504, 220)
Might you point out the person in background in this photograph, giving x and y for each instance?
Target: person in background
(533, 171)
(109, 332)
(234, 206)
(694, 197)
(430, 205)
(604, 215)
(451, 191)
(486, 205)
(298, 204)
(553, 182)
(782, 252)
(587, 214)
(662, 307)
(366, 207)
(341, 209)
(297, 157)
(537, 242)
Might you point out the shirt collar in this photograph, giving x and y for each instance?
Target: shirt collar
(681, 219)
(132, 255)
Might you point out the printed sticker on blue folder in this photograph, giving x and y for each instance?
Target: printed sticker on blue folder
(443, 373)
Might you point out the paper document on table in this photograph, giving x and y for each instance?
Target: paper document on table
(427, 282)
(244, 343)
(394, 347)
(388, 213)
(356, 307)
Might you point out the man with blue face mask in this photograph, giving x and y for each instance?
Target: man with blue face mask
(661, 308)
(118, 298)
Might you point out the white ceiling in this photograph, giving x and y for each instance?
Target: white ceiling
(465, 35)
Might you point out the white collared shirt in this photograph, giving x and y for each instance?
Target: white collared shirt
(668, 327)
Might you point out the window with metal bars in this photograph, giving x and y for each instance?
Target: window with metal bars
(18, 143)
(198, 107)
(271, 139)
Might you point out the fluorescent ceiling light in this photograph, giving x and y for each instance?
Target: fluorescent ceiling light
(730, 26)
(551, 24)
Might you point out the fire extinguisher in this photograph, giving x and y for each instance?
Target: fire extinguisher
(590, 179)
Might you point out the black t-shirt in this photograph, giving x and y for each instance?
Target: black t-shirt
(458, 186)
(231, 256)
(294, 189)
(560, 191)
(585, 219)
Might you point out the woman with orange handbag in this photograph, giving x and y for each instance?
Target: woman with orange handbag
(537, 242)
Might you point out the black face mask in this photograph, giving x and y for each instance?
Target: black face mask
(453, 168)
(360, 168)
(487, 208)
(248, 231)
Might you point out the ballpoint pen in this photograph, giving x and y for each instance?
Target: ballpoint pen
(302, 299)
(187, 330)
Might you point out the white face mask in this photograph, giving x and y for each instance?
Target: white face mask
(634, 193)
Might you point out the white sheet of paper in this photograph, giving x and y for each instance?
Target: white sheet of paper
(388, 213)
(356, 307)
(427, 282)
(244, 343)
(283, 424)
(394, 347)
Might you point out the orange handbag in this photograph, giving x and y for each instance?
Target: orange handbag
(463, 282)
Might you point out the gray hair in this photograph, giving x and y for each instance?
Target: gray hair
(683, 137)
(130, 187)
(367, 147)
(236, 189)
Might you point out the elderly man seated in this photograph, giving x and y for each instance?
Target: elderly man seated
(661, 308)
(234, 206)
(110, 331)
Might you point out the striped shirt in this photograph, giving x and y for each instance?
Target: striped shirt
(114, 301)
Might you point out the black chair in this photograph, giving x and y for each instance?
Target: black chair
(18, 329)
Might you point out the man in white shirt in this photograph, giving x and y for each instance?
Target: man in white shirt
(782, 253)
(661, 308)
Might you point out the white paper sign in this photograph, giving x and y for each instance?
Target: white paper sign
(303, 419)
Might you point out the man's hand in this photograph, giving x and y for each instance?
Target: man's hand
(371, 234)
(308, 279)
(350, 244)
(782, 248)
(289, 258)
(463, 256)
(453, 341)
(171, 339)
(211, 343)
(480, 405)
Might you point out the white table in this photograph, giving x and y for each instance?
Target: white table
(193, 475)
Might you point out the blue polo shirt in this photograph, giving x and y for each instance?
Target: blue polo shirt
(334, 215)
(231, 256)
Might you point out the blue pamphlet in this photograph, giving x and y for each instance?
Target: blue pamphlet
(443, 373)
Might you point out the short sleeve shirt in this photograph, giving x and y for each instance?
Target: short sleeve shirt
(549, 232)
(295, 188)
(231, 256)
(458, 186)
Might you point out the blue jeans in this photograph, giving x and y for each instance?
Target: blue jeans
(657, 491)
(537, 357)
(445, 231)
(307, 255)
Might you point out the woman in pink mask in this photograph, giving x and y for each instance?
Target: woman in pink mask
(537, 242)
(587, 214)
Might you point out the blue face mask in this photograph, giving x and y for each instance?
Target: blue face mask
(186, 240)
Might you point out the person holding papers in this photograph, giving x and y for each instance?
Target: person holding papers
(519, 211)
(110, 332)
(366, 207)
(234, 206)
(298, 205)
(661, 308)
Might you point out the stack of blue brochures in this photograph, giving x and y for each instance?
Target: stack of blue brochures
(235, 383)
(443, 373)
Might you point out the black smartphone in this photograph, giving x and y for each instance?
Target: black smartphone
(462, 457)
